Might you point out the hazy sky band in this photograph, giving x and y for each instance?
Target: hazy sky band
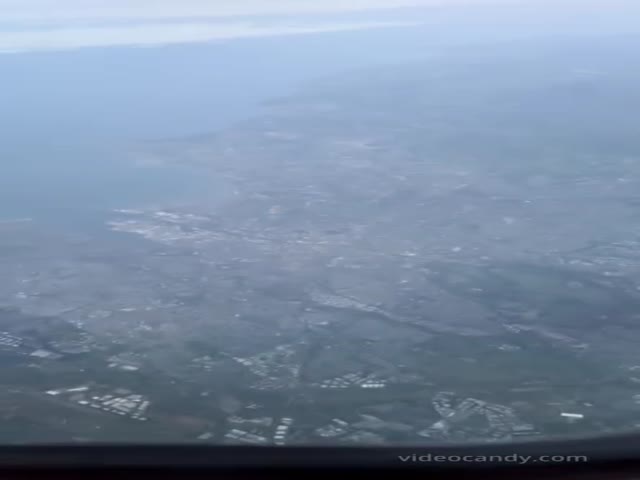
(164, 34)
(92, 10)
(37, 25)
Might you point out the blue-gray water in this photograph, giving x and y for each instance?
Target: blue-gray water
(69, 118)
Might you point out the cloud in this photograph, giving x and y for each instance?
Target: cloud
(163, 34)
(56, 11)
(36, 25)
(110, 10)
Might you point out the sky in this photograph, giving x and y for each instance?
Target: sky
(36, 25)
(42, 25)
(49, 10)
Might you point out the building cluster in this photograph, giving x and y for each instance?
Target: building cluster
(131, 405)
(42, 353)
(165, 227)
(363, 437)
(352, 380)
(501, 421)
(17, 344)
(558, 338)
(80, 343)
(280, 435)
(205, 363)
(337, 301)
(443, 404)
(127, 361)
(572, 416)
(172, 217)
(334, 428)
(277, 368)
(126, 368)
(371, 422)
(119, 402)
(236, 435)
(162, 233)
(505, 347)
(256, 430)
(622, 256)
(7, 340)
(272, 383)
(524, 430)
(255, 422)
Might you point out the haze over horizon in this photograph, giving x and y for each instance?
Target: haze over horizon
(47, 25)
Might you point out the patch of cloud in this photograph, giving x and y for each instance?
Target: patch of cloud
(44, 25)
(126, 10)
(163, 34)
(94, 11)
(37, 25)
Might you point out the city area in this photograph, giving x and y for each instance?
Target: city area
(396, 257)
